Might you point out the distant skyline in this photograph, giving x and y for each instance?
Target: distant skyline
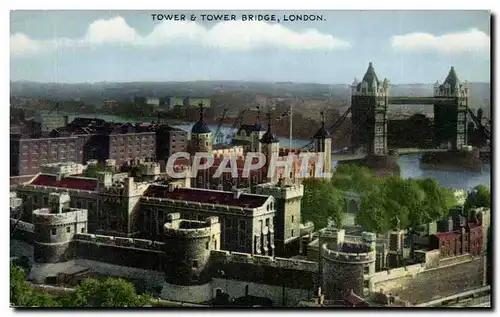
(128, 46)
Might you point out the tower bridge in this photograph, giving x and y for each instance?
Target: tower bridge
(370, 99)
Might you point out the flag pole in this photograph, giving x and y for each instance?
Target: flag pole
(291, 121)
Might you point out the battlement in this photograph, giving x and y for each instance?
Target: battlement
(71, 215)
(280, 192)
(119, 241)
(123, 186)
(196, 205)
(259, 260)
(187, 229)
(348, 257)
(62, 169)
(150, 168)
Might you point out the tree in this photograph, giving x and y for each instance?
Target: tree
(373, 214)
(355, 178)
(404, 203)
(438, 202)
(23, 295)
(112, 292)
(480, 196)
(405, 199)
(321, 201)
(18, 287)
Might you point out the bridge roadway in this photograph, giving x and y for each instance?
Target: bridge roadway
(415, 100)
(402, 151)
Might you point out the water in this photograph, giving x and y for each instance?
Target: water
(409, 164)
(410, 168)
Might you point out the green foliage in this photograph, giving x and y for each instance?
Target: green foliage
(373, 214)
(394, 202)
(92, 171)
(321, 201)
(112, 292)
(21, 293)
(479, 197)
(354, 178)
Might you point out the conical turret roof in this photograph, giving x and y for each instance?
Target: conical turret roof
(452, 78)
(370, 77)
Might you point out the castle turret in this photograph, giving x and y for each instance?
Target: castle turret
(323, 144)
(270, 147)
(188, 244)
(343, 267)
(201, 136)
(55, 228)
(287, 219)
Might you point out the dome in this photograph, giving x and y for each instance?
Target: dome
(269, 138)
(200, 127)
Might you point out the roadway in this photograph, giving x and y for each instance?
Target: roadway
(401, 151)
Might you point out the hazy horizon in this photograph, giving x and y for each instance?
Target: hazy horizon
(215, 80)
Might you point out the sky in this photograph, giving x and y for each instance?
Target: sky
(127, 46)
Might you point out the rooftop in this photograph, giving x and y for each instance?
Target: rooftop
(78, 183)
(206, 196)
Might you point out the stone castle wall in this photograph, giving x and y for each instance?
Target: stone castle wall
(136, 253)
(273, 271)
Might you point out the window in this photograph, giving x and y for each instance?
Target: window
(267, 222)
(292, 233)
(242, 225)
(195, 264)
(366, 269)
(292, 218)
(54, 231)
(78, 204)
(68, 229)
(83, 230)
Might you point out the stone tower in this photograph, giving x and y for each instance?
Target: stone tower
(201, 136)
(343, 267)
(287, 219)
(369, 114)
(450, 117)
(270, 147)
(258, 131)
(323, 144)
(188, 244)
(55, 227)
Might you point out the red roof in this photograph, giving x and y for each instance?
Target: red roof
(206, 196)
(68, 182)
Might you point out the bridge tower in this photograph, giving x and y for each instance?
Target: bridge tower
(369, 114)
(450, 119)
